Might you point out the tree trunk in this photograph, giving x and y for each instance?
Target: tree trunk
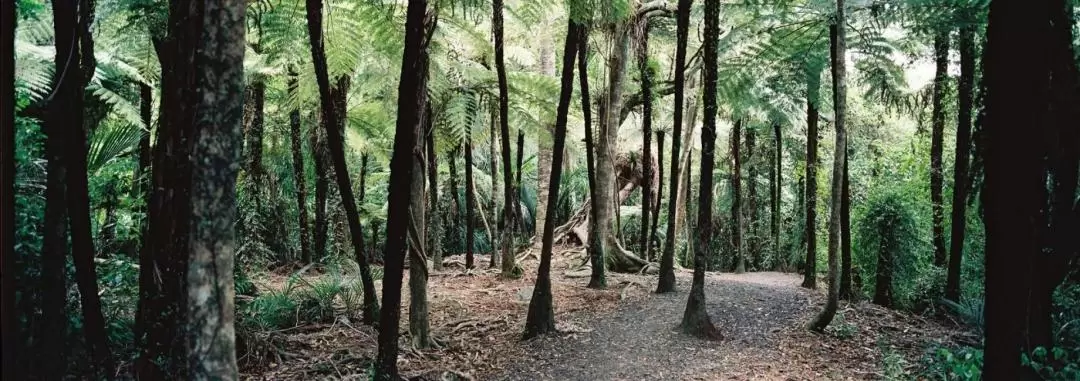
(320, 157)
(689, 129)
(543, 149)
(696, 319)
(218, 142)
(736, 198)
(813, 89)
(470, 203)
(298, 171)
(141, 175)
(496, 191)
(541, 316)
(519, 219)
(839, 159)
(845, 233)
(754, 244)
(504, 132)
(12, 347)
(65, 112)
(883, 294)
(646, 135)
(336, 143)
(598, 277)
(419, 328)
(435, 226)
(659, 192)
(937, 142)
(456, 215)
(412, 100)
(607, 144)
(776, 177)
(963, 152)
(253, 130)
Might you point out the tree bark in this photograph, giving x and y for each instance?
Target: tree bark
(598, 277)
(412, 99)
(937, 143)
(504, 132)
(470, 203)
(456, 215)
(543, 148)
(321, 159)
(736, 198)
(963, 152)
(777, 178)
(519, 219)
(541, 316)
(845, 233)
(839, 159)
(659, 191)
(754, 244)
(496, 191)
(813, 90)
(607, 145)
(646, 135)
(298, 171)
(435, 226)
(255, 99)
(12, 347)
(336, 143)
(419, 328)
(696, 319)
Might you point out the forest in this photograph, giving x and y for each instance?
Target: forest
(569, 190)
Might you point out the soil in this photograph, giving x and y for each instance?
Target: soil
(626, 332)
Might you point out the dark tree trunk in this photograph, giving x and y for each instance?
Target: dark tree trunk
(493, 236)
(666, 282)
(839, 160)
(696, 319)
(335, 141)
(470, 204)
(845, 234)
(412, 98)
(598, 278)
(141, 175)
(754, 244)
(12, 348)
(883, 294)
(321, 159)
(646, 136)
(65, 111)
(298, 171)
(456, 215)
(253, 130)
(963, 152)
(937, 142)
(659, 192)
(1029, 193)
(777, 180)
(189, 314)
(541, 316)
(736, 198)
(519, 220)
(813, 90)
(504, 133)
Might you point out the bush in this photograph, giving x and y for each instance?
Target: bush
(963, 363)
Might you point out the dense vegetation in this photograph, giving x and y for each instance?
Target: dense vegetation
(160, 156)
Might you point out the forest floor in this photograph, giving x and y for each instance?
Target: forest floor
(626, 332)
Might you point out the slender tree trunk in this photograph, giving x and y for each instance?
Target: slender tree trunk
(659, 191)
(412, 100)
(696, 319)
(504, 132)
(435, 226)
(12, 347)
(883, 280)
(543, 148)
(607, 142)
(419, 328)
(813, 89)
(937, 143)
(320, 157)
(646, 135)
(598, 278)
(496, 191)
(845, 233)
(839, 160)
(736, 198)
(141, 178)
(754, 244)
(456, 215)
(519, 219)
(298, 172)
(541, 316)
(963, 152)
(253, 130)
(470, 204)
(335, 140)
(777, 178)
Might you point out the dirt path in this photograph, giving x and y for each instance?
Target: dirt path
(640, 340)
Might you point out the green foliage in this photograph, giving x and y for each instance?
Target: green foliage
(953, 364)
(1057, 363)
